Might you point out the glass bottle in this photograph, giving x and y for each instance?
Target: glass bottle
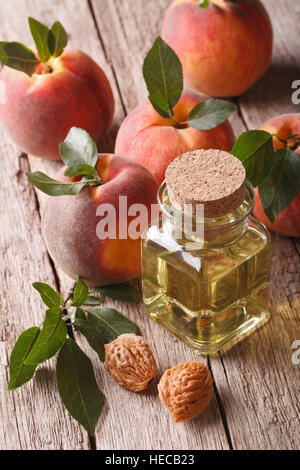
(209, 291)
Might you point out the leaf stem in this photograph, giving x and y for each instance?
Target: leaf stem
(178, 124)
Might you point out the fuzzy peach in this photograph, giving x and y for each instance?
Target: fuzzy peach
(288, 221)
(223, 48)
(72, 90)
(154, 142)
(70, 223)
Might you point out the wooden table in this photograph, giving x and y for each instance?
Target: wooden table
(256, 401)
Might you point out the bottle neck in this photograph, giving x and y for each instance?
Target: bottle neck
(200, 232)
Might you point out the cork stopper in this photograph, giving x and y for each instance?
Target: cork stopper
(211, 177)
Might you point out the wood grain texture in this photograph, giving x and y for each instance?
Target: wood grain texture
(32, 417)
(257, 386)
(35, 401)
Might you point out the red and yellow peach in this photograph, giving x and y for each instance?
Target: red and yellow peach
(154, 141)
(287, 221)
(70, 223)
(223, 48)
(40, 110)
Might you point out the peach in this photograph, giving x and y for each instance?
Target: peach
(154, 142)
(70, 223)
(223, 48)
(288, 221)
(40, 110)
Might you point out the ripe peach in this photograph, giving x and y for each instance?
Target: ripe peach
(288, 221)
(154, 142)
(223, 48)
(40, 110)
(69, 223)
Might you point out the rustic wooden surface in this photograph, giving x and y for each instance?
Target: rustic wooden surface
(256, 402)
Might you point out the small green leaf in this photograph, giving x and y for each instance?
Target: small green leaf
(282, 184)
(19, 372)
(92, 332)
(203, 3)
(160, 111)
(57, 40)
(78, 148)
(49, 296)
(210, 114)
(79, 315)
(56, 188)
(81, 170)
(51, 338)
(77, 386)
(18, 57)
(92, 300)
(40, 34)
(80, 294)
(255, 150)
(162, 72)
(125, 292)
(109, 322)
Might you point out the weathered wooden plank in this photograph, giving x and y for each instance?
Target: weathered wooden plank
(262, 399)
(261, 382)
(29, 415)
(53, 427)
(250, 389)
(272, 94)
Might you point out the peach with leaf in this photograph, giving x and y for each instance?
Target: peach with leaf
(272, 208)
(173, 121)
(271, 158)
(50, 91)
(88, 191)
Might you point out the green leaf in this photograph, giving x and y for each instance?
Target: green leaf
(109, 323)
(80, 294)
(92, 331)
(282, 184)
(210, 114)
(203, 3)
(125, 292)
(18, 57)
(40, 34)
(92, 300)
(49, 296)
(57, 40)
(160, 111)
(77, 386)
(19, 372)
(162, 72)
(255, 150)
(56, 188)
(50, 340)
(78, 148)
(81, 170)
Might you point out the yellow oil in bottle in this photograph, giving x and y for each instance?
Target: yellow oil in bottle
(209, 297)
